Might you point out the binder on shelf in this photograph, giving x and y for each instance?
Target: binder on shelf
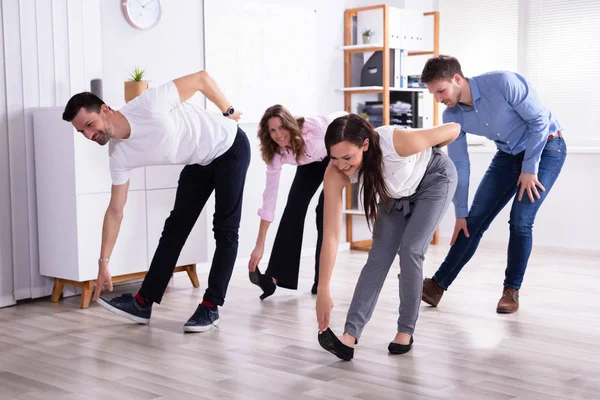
(372, 70)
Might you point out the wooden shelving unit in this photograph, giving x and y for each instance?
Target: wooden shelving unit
(384, 90)
(379, 89)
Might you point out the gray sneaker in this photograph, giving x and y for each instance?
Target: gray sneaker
(203, 319)
(127, 307)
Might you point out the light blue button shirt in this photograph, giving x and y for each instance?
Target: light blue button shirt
(506, 110)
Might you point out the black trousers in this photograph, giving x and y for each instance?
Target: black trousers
(284, 264)
(226, 175)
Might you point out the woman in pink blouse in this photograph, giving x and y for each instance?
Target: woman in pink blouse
(295, 141)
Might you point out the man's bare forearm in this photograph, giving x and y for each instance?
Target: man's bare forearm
(110, 232)
(212, 92)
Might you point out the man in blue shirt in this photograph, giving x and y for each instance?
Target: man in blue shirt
(503, 107)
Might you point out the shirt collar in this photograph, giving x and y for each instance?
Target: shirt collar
(474, 94)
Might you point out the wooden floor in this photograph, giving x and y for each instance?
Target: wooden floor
(550, 349)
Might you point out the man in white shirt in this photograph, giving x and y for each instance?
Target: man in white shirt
(160, 127)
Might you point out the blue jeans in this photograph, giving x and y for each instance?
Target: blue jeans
(497, 188)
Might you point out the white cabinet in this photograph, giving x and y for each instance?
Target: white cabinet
(160, 203)
(163, 176)
(130, 252)
(73, 187)
(92, 173)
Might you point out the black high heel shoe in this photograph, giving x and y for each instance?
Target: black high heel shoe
(264, 282)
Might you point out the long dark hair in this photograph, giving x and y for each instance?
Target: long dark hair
(355, 129)
(268, 147)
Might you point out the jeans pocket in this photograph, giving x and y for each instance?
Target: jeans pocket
(556, 145)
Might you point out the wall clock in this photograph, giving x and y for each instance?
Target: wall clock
(142, 14)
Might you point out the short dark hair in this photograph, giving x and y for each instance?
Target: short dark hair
(87, 100)
(440, 67)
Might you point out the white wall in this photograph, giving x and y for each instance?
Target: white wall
(171, 49)
(568, 217)
(160, 54)
(186, 55)
(51, 49)
(45, 59)
(6, 258)
(330, 61)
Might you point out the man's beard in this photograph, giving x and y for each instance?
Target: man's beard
(459, 96)
(103, 138)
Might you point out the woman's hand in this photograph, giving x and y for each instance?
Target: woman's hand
(255, 257)
(324, 306)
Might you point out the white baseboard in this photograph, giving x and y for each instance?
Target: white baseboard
(8, 300)
(41, 291)
(33, 293)
(68, 291)
(22, 294)
(344, 247)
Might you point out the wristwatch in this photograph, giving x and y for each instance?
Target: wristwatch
(229, 111)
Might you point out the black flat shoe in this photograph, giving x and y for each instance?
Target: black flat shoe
(396, 348)
(264, 282)
(332, 344)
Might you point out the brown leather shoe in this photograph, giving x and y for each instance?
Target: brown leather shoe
(432, 292)
(509, 302)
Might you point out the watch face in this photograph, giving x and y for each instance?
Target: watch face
(142, 14)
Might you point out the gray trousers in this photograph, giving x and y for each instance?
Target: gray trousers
(405, 227)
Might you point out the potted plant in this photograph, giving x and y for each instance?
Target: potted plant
(367, 35)
(136, 84)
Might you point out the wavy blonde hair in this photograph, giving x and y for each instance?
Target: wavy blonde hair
(268, 147)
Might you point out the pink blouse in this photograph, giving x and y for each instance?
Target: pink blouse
(313, 132)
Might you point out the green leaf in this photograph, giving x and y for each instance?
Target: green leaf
(137, 75)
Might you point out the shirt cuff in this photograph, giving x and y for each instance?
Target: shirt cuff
(461, 212)
(530, 167)
(266, 215)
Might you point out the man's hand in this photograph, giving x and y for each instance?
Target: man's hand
(255, 257)
(236, 115)
(529, 182)
(324, 306)
(461, 225)
(103, 278)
